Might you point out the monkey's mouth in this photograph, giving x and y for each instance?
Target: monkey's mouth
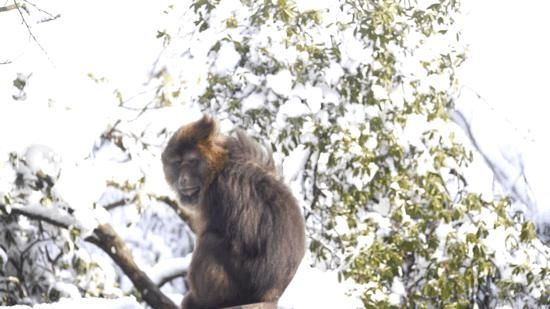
(189, 191)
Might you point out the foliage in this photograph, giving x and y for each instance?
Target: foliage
(364, 90)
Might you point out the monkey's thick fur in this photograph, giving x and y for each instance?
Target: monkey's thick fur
(250, 231)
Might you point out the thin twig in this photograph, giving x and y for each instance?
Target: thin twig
(17, 6)
(39, 9)
(119, 203)
(48, 19)
(459, 118)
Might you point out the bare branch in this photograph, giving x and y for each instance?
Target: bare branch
(40, 9)
(18, 7)
(119, 203)
(501, 176)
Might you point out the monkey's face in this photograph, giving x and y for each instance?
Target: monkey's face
(186, 172)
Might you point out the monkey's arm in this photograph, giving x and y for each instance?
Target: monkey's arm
(187, 214)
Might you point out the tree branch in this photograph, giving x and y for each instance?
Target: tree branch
(47, 19)
(18, 7)
(122, 202)
(52, 216)
(8, 8)
(106, 238)
(458, 117)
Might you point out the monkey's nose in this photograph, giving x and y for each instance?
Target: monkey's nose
(183, 181)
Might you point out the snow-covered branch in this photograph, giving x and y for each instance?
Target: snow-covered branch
(52, 215)
(106, 238)
(8, 8)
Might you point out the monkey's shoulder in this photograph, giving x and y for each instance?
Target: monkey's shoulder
(244, 150)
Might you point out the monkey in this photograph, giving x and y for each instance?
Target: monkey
(250, 233)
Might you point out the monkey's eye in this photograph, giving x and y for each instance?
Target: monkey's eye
(192, 162)
(190, 159)
(174, 161)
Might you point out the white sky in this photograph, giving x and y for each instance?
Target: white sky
(112, 39)
(508, 64)
(509, 59)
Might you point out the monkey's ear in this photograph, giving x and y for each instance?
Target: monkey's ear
(210, 143)
(206, 127)
(197, 132)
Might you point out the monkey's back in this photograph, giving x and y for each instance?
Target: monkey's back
(256, 214)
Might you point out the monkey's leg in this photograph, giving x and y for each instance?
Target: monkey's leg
(189, 302)
(211, 285)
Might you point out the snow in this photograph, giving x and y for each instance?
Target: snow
(341, 225)
(294, 163)
(354, 52)
(168, 267)
(227, 58)
(289, 55)
(88, 303)
(397, 292)
(71, 190)
(291, 108)
(53, 213)
(305, 290)
(66, 290)
(379, 92)
(312, 96)
(253, 101)
(3, 258)
(42, 158)
(280, 82)
(333, 73)
(310, 5)
(383, 207)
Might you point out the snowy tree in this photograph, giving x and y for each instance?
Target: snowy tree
(354, 99)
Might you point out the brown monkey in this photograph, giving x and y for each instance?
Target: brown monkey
(250, 232)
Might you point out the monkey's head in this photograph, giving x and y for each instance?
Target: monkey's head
(193, 157)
